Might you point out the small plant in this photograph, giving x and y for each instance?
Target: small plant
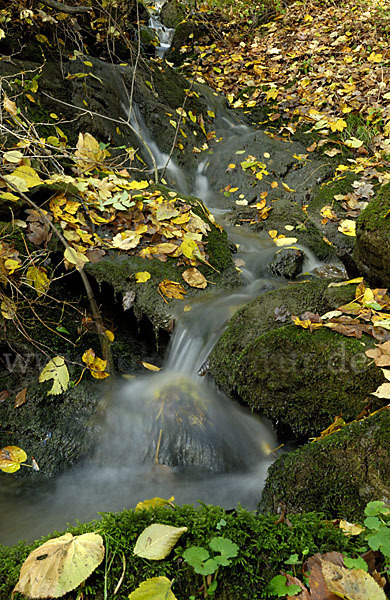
(203, 563)
(377, 534)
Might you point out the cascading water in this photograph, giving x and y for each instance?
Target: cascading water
(171, 432)
(164, 34)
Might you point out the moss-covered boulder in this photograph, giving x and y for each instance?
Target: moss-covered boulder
(300, 380)
(340, 473)
(263, 548)
(372, 249)
(118, 272)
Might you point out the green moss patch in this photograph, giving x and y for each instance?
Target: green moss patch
(264, 546)
(340, 473)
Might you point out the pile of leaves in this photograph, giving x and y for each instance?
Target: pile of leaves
(316, 64)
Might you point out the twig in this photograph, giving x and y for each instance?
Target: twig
(118, 585)
(65, 8)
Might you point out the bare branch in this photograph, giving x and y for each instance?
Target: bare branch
(70, 10)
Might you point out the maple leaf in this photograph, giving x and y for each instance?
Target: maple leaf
(56, 370)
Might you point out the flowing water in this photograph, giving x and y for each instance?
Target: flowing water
(171, 432)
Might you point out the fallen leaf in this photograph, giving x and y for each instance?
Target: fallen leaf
(57, 370)
(155, 588)
(351, 583)
(11, 457)
(381, 354)
(157, 541)
(97, 366)
(59, 565)
(154, 503)
(20, 398)
(142, 276)
(4, 394)
(194, 278)
(150, 367)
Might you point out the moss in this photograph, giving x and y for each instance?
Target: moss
(340, 473)
(263, 548)
(258, 317)
(302, 380)
(376, 215)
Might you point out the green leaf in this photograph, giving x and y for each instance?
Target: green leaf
(278, 586)
(380, 541)
(293, 560)
(57, 370)
(198, 559)
(372, 523)
(155, 588)
(376, 508)
(226, 547)
(157, 540)
(356, 563)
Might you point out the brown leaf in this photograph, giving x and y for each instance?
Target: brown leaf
(304, 595)
(20, 398)
(317, 584)
(194, 278)
(4, 394)
(381, 354)
(38, 233)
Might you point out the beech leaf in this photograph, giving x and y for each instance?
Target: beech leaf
(157, 540)
(155, 588)
(355, 584)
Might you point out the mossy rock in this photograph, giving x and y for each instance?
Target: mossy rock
(118, 272)
(300, 380)
(372, 249)
(264, 546)
(323, 195)
(172, 13)
(340, 473)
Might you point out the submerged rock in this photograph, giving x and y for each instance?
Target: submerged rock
(372, 249)
(338, 474)
(300, 380)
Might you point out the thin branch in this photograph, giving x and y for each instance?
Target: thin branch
(65, 8)
(91, 298)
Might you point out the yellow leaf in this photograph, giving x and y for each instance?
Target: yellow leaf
(75, 258)
(11, 458)
(338, 125)
(272, 233)
(272, 94)
(42, 39)
(57, 370)
(350, 528)
(154, 588)
(37, 277)
(154, 503)
(375, 58)
(8, 309)
(109, 335)
(13, 156)
(194, 278)
(8, 196)
(353, 143)
(274, 184)
(347, 227)
(137, 185)
(285, 241)
(286, 187)
(350, 281)
(171, 289)
(31, 98)
(157, 541)
(97, 366)
(142, 276)
(59, 565)
(355, 584)
(10, 106)
(88, 151)
(150, 367)
(27, 174)
(11, 265)
(188, 247)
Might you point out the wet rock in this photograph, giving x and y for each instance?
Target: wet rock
(148, 39)
(172, 13)
(372, 249)
(300, 380)
(287, 263)
(324, 196)
(338, 474)
(182, 44)
(117, 271)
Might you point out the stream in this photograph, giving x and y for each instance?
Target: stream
(170, 433)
